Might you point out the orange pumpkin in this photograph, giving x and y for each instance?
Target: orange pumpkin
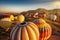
(44, 29)
(25, 31)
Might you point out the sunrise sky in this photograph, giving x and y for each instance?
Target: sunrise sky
(24, 5)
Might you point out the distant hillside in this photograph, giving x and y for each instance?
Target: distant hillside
(30, 13)
(56, 12)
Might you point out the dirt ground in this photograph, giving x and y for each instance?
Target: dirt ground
(53, 37)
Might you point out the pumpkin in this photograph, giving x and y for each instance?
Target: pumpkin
(44, 29)
(25, 31)
(19, 18)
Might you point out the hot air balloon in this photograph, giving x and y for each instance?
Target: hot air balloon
(12, 17)
(5, 23)
(42, 15)
(19, 19)
(52, 17)
(36, 15)
(44, 29)
(25, 31)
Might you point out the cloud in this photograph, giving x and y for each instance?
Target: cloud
(48, 4)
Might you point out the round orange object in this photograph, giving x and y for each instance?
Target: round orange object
(25, 31)
(44, 29)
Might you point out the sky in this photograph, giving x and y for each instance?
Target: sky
(25, 5)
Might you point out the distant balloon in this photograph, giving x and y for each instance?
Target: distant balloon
(52, 17)
(5, 23)
(6, 19)
(12, 17)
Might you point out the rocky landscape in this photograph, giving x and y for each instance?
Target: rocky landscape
(5, 35)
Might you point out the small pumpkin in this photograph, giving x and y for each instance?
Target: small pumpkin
(44, 29)
(25, 31)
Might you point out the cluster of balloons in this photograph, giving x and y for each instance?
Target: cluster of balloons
(38, 26)
(6, 22)
(44, 30)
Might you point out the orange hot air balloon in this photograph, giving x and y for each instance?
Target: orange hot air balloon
(25, 31)
(44, 29)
